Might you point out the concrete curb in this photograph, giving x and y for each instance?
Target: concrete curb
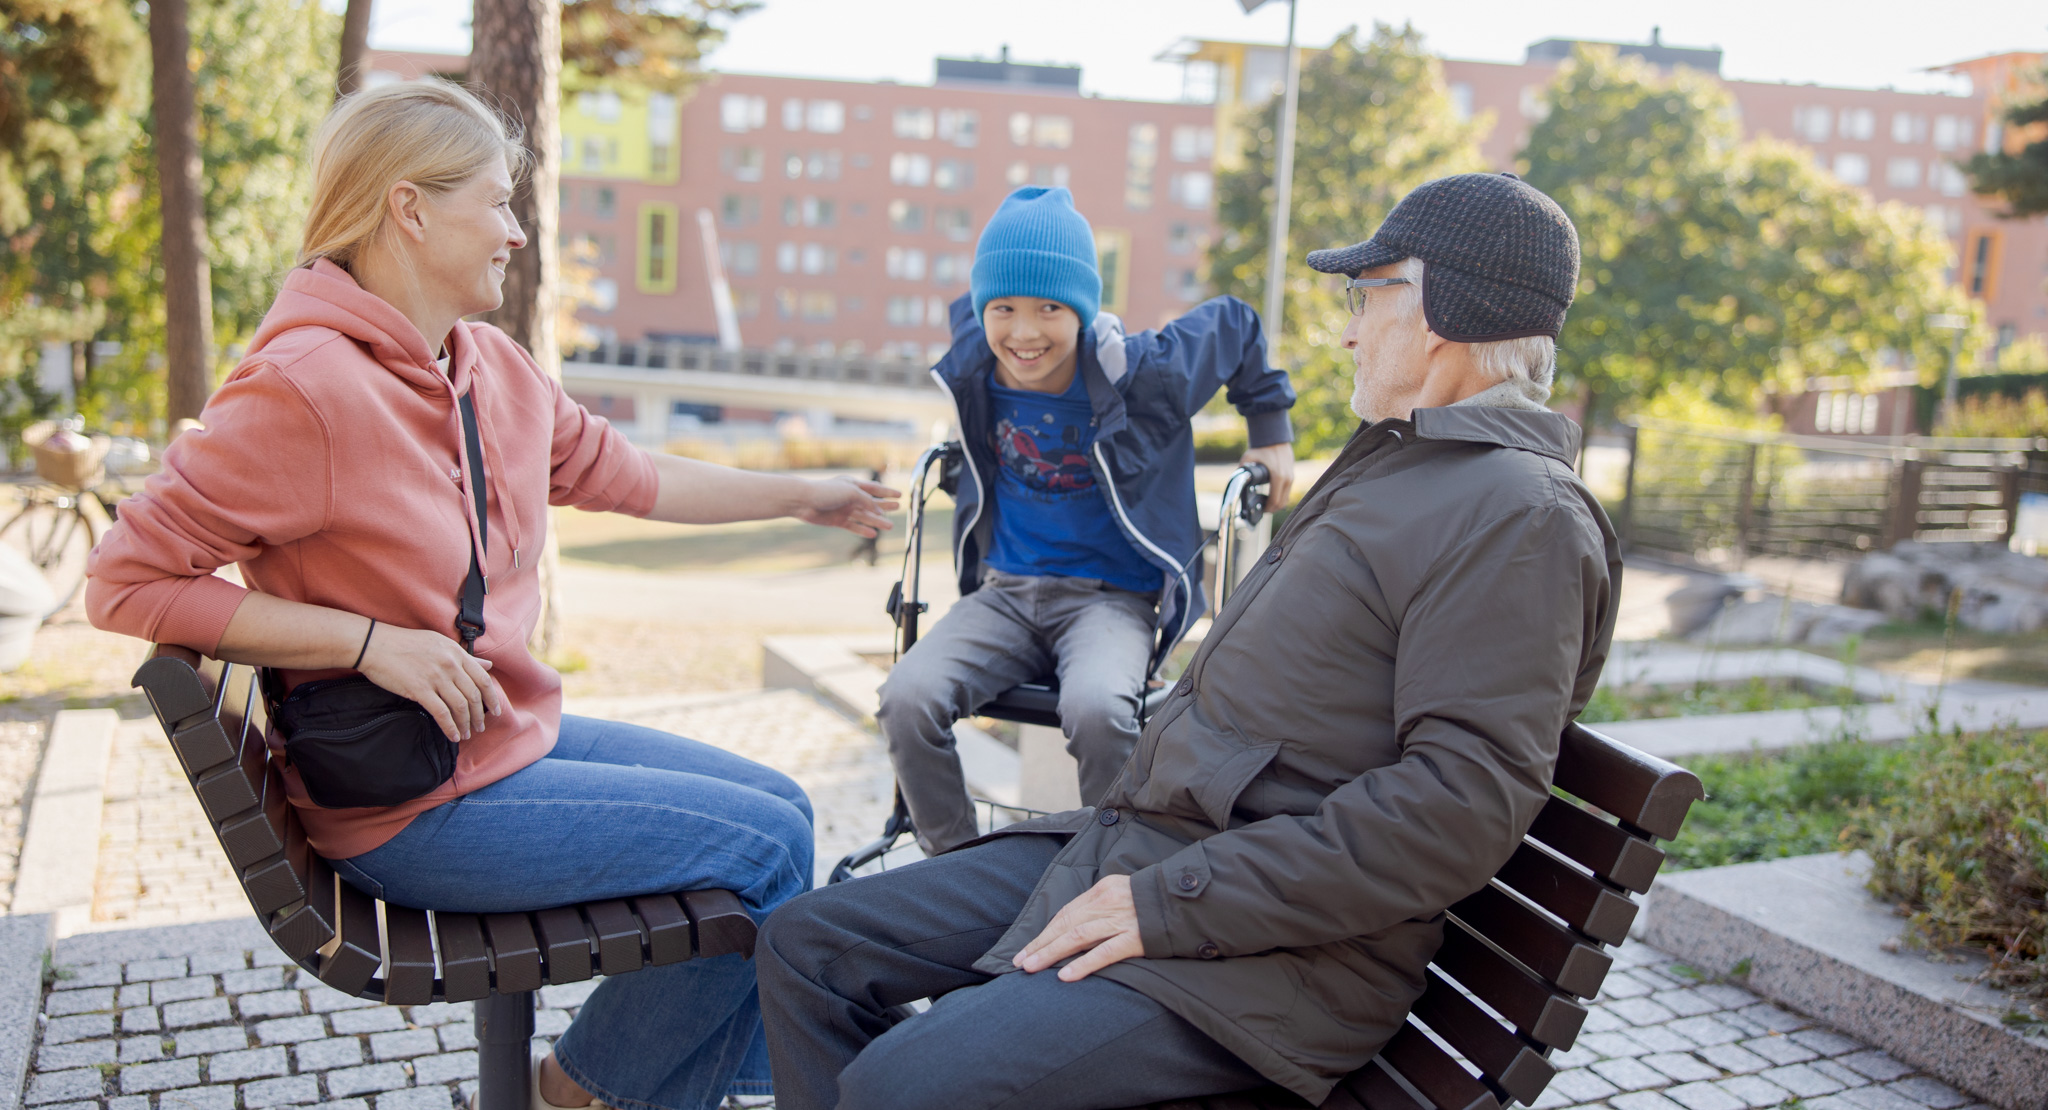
(236, 934)
(61, 844)
(23, 941)
(1813, 940)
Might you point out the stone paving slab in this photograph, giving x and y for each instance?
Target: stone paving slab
(187, 1018)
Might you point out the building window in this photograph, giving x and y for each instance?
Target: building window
(1535, 107)
(604, 295)
(1981, 265)
(735, 210)
(953, 223)
(1859, 123)
(1461, 99)
(818, 165)
(951, 269)
(746, 303)
(826, 117)
(1951, 132)
(904, 312)
(785, 304)
(792, 118)
(1141, 157)
(1113, 262)
(1053, 132)
(1184, 284)
(913, 123)
(819, 259)
(1192, 189)
(1184, 239)
(593, 153)
(1194, 144)
(1947, 220)
(1020, 129)
(1051, 177)
(740, 257)
(604, 202)
(657, 248)
(1909, 127)
(935, 314)
(818, 308)
(1812, 123)
(740, 114)
(959, 126)
(1902, 173)
(905, 216)
(661, 133)
(952, 175)
(602, 105)
(1017, 174)
(743, 163)
(785, 258)
(904, 263)
(1852, 169)
(1947, 177)
(910, 169)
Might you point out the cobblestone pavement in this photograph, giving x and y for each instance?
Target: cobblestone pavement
(222, 1030)
(21, 745)
(160, 864)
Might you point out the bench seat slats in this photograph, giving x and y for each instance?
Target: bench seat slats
(1602, 847)
(1549, 949)
(304, 930)
(272, 885)
(1584, 902)
(1540, 1013)
(177, 691)
(668, 928)
(564, 944)
(618, 936)
(259, 833)
(465, 961)
(298, 931)
(720, 922)
(515, 954)
(358, 954)
(1432, 1071)
(1516, 1068)
(202, 746)
(409, 975)
(1645, 792)
(1376, 1089)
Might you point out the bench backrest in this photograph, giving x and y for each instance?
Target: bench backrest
(216, 718)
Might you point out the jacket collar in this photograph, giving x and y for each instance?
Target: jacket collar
(969, 365)
(1550, 434)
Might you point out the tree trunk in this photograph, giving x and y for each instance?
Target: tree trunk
(516, 56)
(355, 42)
(188, 282)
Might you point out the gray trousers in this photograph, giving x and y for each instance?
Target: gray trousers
(1016, 628)
(833, 961)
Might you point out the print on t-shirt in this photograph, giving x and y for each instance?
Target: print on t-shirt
(1038, 459)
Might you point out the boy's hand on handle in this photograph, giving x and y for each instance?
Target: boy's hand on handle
(855, 504)
(1101, 924)
(453, 686)
(1278, 459)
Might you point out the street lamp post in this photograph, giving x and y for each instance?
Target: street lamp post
(1283, 178)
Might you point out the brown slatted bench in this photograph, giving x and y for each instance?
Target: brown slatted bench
(1531, 946)
(215, 716)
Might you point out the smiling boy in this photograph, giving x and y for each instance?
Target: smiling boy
(1074, 533)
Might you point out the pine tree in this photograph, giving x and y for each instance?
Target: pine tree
(2019, 178)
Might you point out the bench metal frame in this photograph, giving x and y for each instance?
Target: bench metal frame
(218, 723)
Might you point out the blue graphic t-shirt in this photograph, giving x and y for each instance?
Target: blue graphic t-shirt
(1050, 518)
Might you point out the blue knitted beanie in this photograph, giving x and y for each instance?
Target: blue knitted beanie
(1037, 245)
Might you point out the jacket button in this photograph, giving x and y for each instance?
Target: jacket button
(1208, 951)
(1107, 817)
(1189, 882)
(1273, 556)
(1186, 687)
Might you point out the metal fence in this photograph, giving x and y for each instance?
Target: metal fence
(677, 355)
(1710, 492)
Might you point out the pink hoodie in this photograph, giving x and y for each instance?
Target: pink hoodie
(331, 470)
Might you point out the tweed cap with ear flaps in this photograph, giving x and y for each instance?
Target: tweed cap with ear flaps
(1500, 259)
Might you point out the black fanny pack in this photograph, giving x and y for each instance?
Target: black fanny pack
(355, 743)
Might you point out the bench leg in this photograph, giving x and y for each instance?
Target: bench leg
(504, 1029)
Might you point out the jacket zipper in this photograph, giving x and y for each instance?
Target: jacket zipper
(966, 449)
(1116, 502)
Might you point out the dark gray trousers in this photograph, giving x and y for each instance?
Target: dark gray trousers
(831, 963)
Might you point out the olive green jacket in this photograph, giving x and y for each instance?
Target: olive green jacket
(1361, 740)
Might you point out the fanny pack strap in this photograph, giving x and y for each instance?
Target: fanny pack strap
(469, 622)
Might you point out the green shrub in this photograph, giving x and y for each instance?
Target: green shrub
(1963, 848)
(1792, 804)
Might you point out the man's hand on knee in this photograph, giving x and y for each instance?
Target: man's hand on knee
(1102, 924)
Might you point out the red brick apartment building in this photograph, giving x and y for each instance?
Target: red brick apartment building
(844, 213)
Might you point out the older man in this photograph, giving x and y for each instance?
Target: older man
(1361, 740)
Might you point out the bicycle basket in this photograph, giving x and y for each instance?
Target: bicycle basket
(70, 460)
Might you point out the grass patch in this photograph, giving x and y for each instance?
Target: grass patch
(1756, 695)
(1916, 648)
(1791, 804)
(769, 546)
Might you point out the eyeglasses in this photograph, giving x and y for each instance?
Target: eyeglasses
(1354, 290)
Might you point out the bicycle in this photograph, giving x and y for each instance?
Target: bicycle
(53, 528)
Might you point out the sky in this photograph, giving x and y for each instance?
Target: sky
(1869, 44)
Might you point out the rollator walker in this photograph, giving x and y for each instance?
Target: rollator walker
(1029, 703)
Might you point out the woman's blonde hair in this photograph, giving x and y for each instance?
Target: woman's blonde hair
(433, 133)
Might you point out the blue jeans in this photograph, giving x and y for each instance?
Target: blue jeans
(617, 810)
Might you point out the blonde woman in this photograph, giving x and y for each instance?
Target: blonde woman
(332, 468)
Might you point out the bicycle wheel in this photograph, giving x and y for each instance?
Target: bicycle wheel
(56, 535)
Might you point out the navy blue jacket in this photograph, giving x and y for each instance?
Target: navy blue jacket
(1145, 389)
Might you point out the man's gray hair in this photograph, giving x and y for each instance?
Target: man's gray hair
(1531, 358)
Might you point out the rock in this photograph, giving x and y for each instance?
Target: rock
(1773, 621)
(2002, 591)
(1691, 607)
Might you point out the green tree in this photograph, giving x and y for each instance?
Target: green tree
(1715, 263)
(653, 44)
(2019, 178)
(1374, 120)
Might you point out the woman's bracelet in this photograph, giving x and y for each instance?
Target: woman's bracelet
(357, 665)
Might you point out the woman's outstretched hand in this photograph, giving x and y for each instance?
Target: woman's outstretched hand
(453, 686)
(855, 504)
